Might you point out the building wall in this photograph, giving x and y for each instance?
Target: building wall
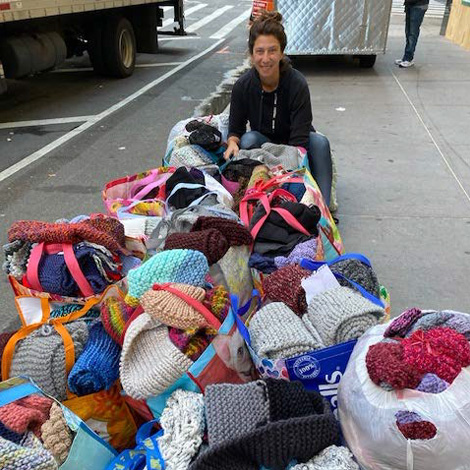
(458, 28)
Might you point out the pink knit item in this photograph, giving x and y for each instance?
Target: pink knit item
(418, 430)
(441, 351)
(386, 366)
(401, 325)
(26, 414)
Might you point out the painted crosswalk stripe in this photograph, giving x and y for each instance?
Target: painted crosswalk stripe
(199, 24)
(187, 13)
(45, 122)
(229, 27)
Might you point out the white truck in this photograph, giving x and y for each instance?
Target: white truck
(38, 35)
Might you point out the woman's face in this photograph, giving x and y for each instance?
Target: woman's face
(266, 57)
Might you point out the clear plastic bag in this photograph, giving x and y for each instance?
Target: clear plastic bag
(367, 417)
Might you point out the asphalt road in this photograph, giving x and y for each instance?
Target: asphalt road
(63, 135)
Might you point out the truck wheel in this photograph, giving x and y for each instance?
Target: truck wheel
(95, 50)
(367, 61)
(119, 47)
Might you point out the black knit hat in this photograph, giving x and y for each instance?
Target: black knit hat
(265, 423)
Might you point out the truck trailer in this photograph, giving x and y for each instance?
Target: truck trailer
(38, 35)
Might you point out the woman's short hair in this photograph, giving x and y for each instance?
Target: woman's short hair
(268, 23)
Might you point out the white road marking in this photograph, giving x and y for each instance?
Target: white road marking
(178, 38)
(44, 122)
(441, 153)
(140, 66)
(187, 12)
(199, 24)
(99, 117)
(229, 27)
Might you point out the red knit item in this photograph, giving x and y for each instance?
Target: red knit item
(26, 414)
(284, 285)
(103, 230)
(386, 365)
(235, 233)
(418, 430)
(211, 243)
(441, 351)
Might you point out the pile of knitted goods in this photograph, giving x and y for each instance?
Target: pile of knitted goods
(411, 376)
(76, 258)
(33, 434)
(286, 326)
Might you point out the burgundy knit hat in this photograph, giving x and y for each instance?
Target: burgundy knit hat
(210, 242)
(284, 285)
(235, 233)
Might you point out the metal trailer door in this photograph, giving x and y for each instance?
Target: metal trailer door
(356, 27)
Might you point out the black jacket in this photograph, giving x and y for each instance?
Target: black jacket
(284, 115)
(413, 3)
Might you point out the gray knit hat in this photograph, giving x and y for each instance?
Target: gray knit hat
(150, 363)
(41, 357)
(276, 332)
(273, 155)
(358, 272)
(341, 314)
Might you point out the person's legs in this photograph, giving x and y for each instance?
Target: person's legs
(319, 161)
(252, 140)
(414, 19)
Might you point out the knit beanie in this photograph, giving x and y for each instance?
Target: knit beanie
(331, 458)
(260, 173)
(460, 322)
(211, 243)
(150, 363)
(340, 315)
(403, 323)
(429, 321)
(284, 285)
(16, 258)
(41, 357)
(28, 453)
(307, 249)
(182, 266)
(264, 423)
(413, 426)
(172, 310)
(183, 426)
(276, 332)
(98, 366)
(189, 155)
(56, 435)
(115, 313)
(192, 342)
(235, 233)
(217, 300)
(359, 273)
(26, 414)
(431, 383)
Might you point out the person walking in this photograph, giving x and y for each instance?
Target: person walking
(414, 11)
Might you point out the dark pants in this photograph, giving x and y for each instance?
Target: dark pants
(318, 154)
(414, 19)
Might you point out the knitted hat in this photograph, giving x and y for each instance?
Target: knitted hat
(217, 300)
(266, 423)
(431, 383)
(26, 414)
(359, 273)
(413, 426)
(56, 435)
(41, 357)
(172, 310)
(210, 242)
(429, 321)
(189, 155)
(460, 322)
(235, 233)
(98, 366)
(307, 249)
(331, 458)
(192, 342)
(182, 266)
(150, 363)
(277, 332)
(28, 453)
(340, 314)
(284, 285)
(183, 425)
(114, 314)
(16, 258)
(402, 324)
(260, 173)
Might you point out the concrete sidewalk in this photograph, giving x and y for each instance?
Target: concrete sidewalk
(402, 141)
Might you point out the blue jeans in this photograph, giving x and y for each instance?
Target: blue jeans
(318, 154)
(414, 19)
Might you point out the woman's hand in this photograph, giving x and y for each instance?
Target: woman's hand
(232, 148)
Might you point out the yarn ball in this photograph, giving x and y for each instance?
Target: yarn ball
(385, 364)
(441, 351)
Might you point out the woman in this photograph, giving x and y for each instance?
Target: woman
(274, 98)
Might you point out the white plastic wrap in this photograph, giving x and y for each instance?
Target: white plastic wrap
(367, 417)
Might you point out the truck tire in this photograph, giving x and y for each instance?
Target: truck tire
(367, 61)
(118, 41)
(95, 49)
